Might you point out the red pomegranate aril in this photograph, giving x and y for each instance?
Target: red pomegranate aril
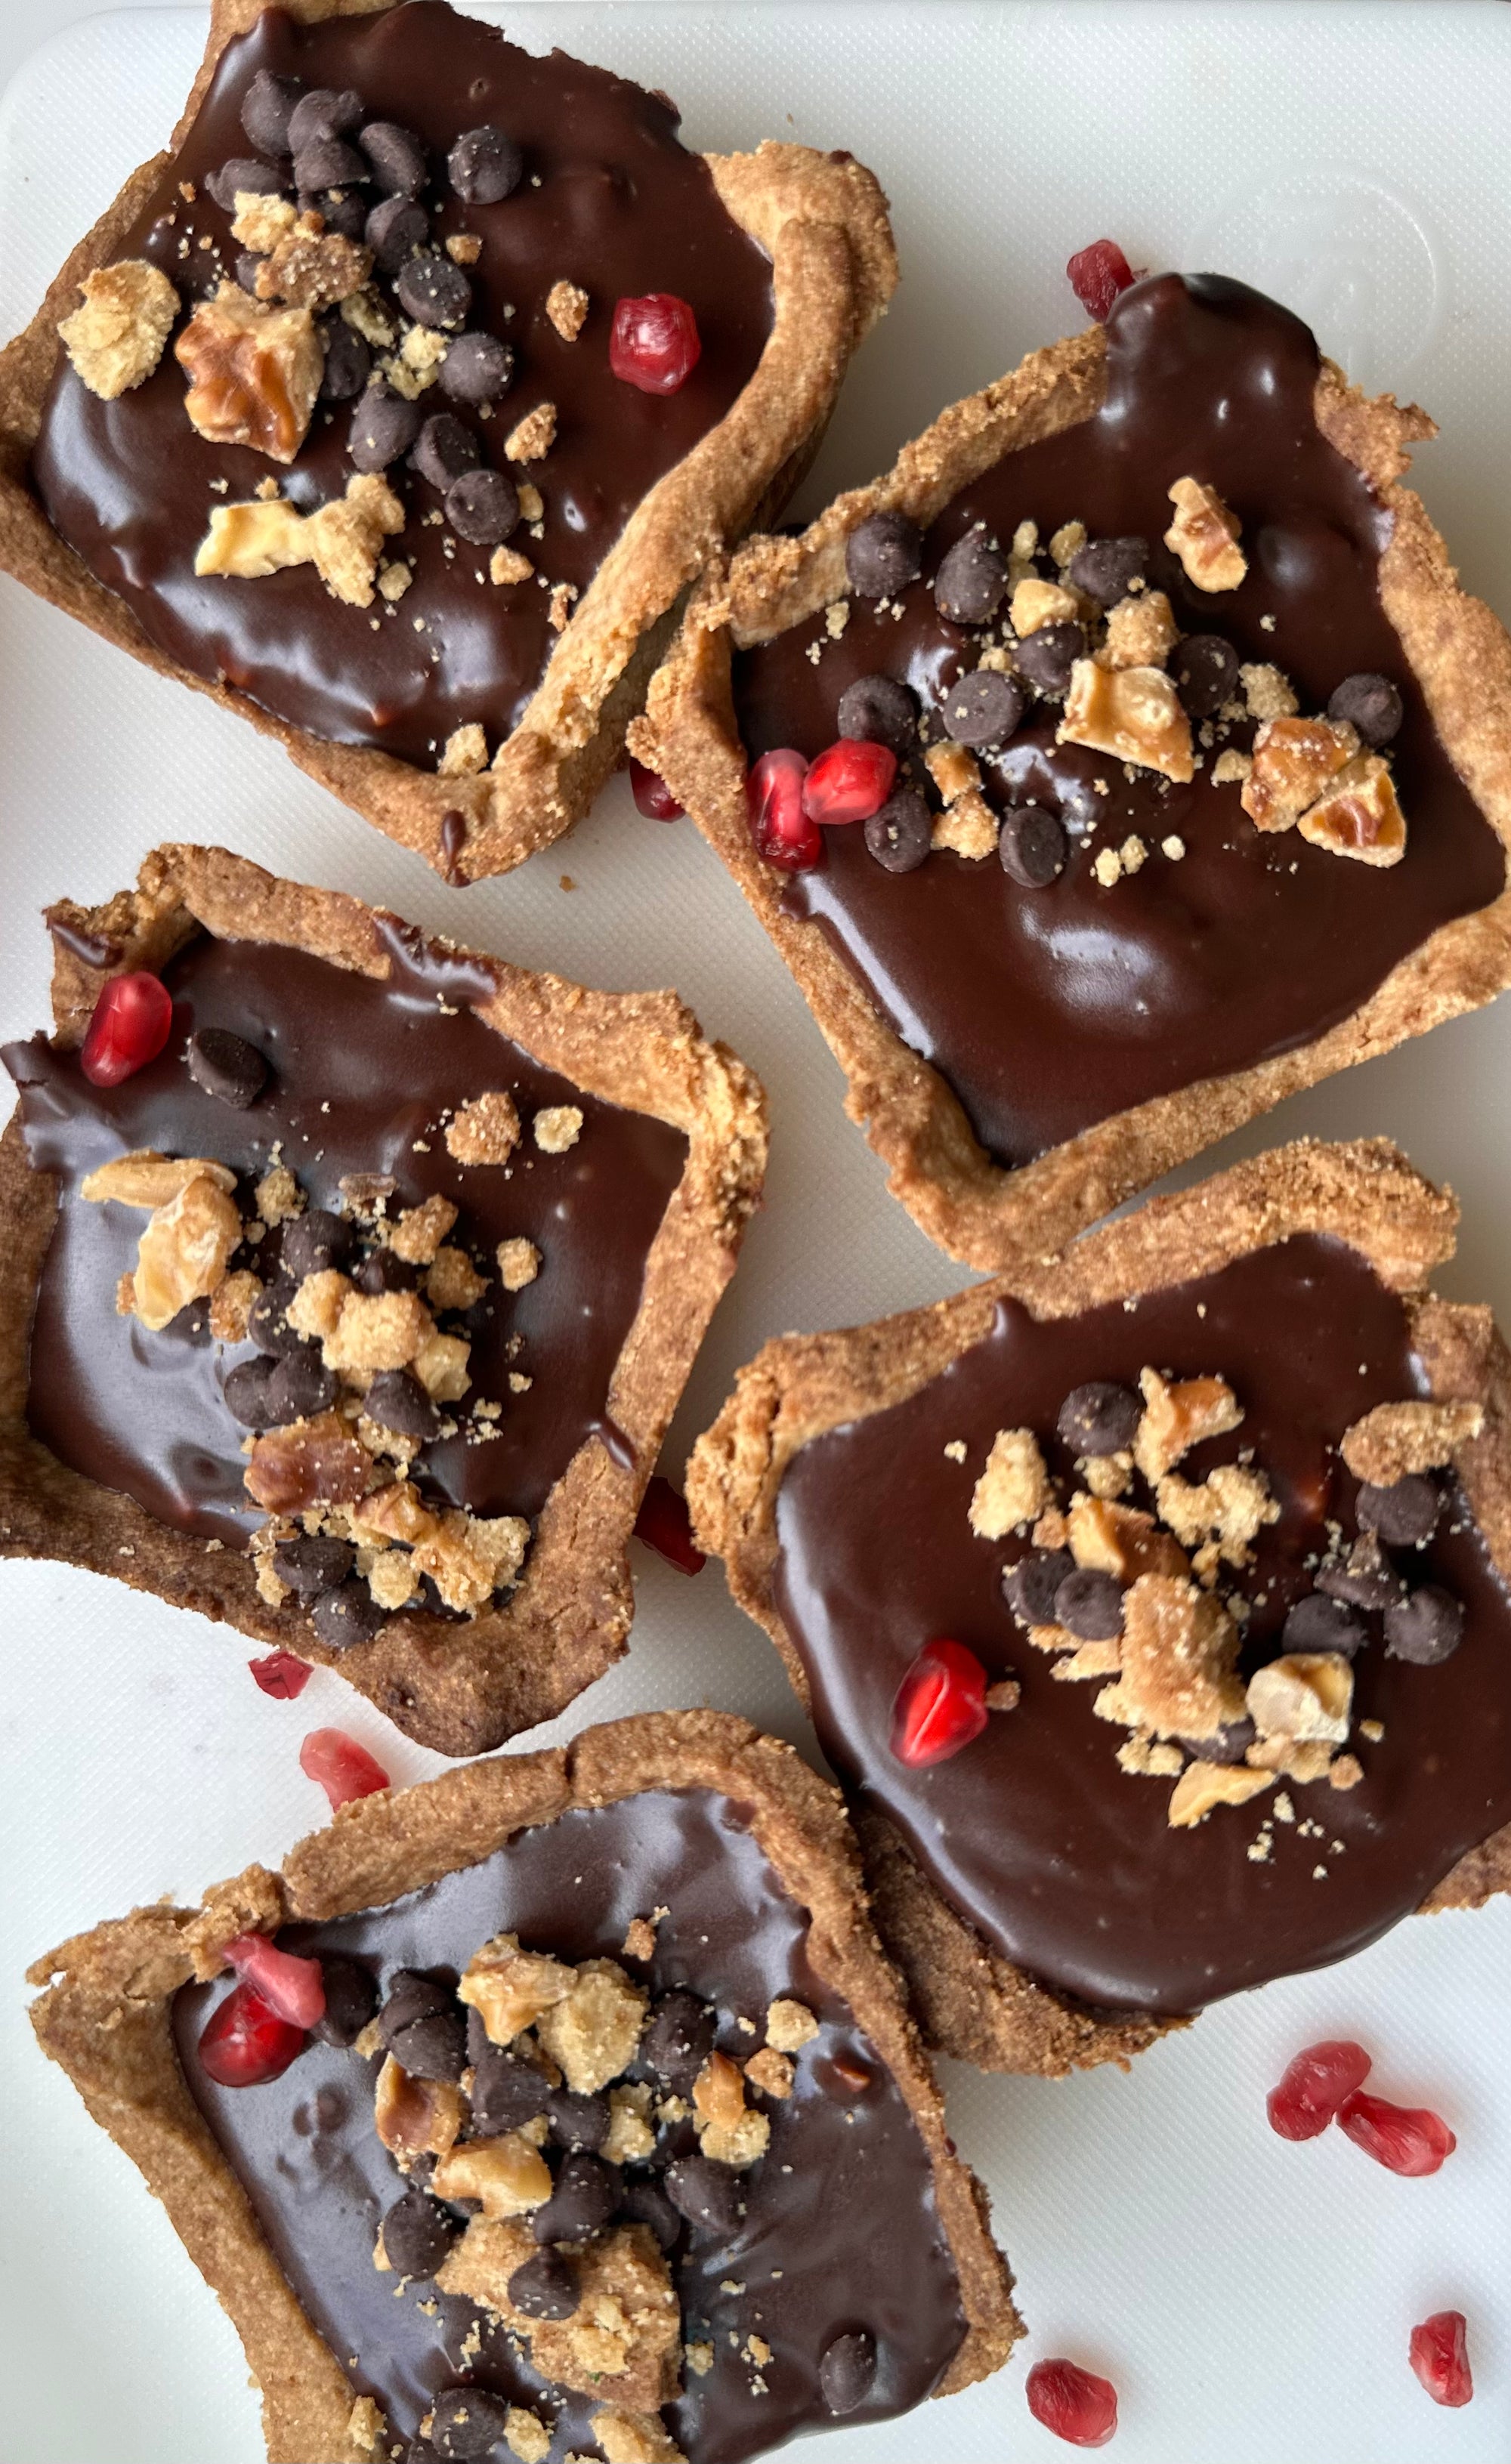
(1405, 2139)
(245, 2044)
(781, 829)
(1312, 2087)
(293, 1989)
(849, 783)
(1073, 2402)
(664, 1524)
(653, 796)
(653, 341)
(344, 1770)
(1439, 2355)
(1097, 275)
(941, 1704)
(130, 1025)
(280, 1674)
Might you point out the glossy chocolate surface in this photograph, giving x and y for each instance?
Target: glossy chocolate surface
(849, 2237)
(1048, 1010)
(144, 1413)
(1034, 1833)
(620, 208)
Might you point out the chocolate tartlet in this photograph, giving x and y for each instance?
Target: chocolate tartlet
(610, 2127)
(1173, 759)
(410, 389)
(352, 1280)
(1151, 1603)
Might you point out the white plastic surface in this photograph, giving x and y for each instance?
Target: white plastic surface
(1251, 2301)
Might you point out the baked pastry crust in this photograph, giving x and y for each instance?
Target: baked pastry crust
(972, 2002)
(821, 218)
(105, 2015)
(995, 1220)
(460, 1688)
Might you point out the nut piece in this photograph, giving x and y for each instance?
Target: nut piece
(1179, 1649)
(508, 2174)
(114, 340)
(144, 1177)
(533, 436)
(1205, 535)
(1119, 1540)
(415, 2117)
(557, 1128)
(231, 1306)
(311, 1462)
(1293, 761)
(1036, 603)
(1142, 633)
(1201, 1785)
(464, 753)
(730, 2131)
(440, 1365)
(183, 1252)
(593, 2033)
(485, 1130)
(968, 826)
(1013, 1489)
(1132, 713)
(468, 1556)
(511, 1988)
(343, 540)
(771, 2072)
(1232, 1502)
(1306, 1694)
(1360, 815)
(954, 770)
(254, 372)
(1397, 1440)
(519, 1263)
(1178, 1417)
(789, 2025)
(566, 306)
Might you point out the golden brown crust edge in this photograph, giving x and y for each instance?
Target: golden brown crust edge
(823, 221)
(104, 2017)
(458, 1688)
(996, 1220)
(972, 2002)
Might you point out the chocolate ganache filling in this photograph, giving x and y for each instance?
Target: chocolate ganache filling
(1048, 1008)
(362, 1076)
(603, 199)
(840, 2243)
(1062, 1855)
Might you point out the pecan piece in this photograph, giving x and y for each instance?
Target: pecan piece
(1205, 537)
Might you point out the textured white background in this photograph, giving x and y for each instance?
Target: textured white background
(1250, 2300)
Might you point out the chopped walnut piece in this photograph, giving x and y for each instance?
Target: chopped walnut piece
(451, 1281)
(519, 1263)
(789, 2025)
(343, 540)
(484, 1130)
(1179, 1650)
(1205, 537)
(415, 2117)
(566, 306)
(510, 1989)
(254, 372)
(556, 1128)
(114, 340)
(315, 1309)
(1037, 603)
(376, 1330)
(627, 2326)
(1293, 760)
(464, 753)
(506, 2176)
(183, 1252)
(1360, 815)
(771, 2072)
(1119, 1540)
(1232, 1502)
(593, 2033)
(310, 266)
(533, 436)
(420, 1230)
(231, 1306)
(506, 564)
(1203, 1786)
(1142, 633)
(1305, 1695)
(730, 2131)
(467, 1556)
(954, 770)
(967, 827)
(1267, 693)
(635, 2438)
(441, 1366)
(1014, 1488)
(1132, 713)
(395, 1512)
(311, 1462)
(148, 1179)
(1397, 1440)
(1178, 1417)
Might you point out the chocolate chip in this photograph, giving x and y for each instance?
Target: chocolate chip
(248, 1392)
(1047, 656)
(478, 368)
(467, 2421)
(1206, 671)
(1100, 1419)
(301, 1385)
(584, 2198)
(485, 165)
(324, 112)
(244, 177)
(265, 110)
(393, 231)
(877, 710)
(982, 709)
(349, 361)
(678, 2037)
(1365, 1578)
(707, 2194)
(578, 2121)
(1030, 1587)
(1107, 568)
(330, 162)
(901, 832)
(1321, 1623)
(341, 209)
(971, 581)
(397, 1401)
(545, 2286)
(395, 157)
(434, 290)
(384, 1270)
(432, 2048)
(351, 1996)
(884, 554)
(646, 2203)
(506, 2091)
(267, 1319)
(1370, 704)
(1230, 1744)
(316, 1241)
(383, 426)
(482, 507)
(443, 450)
(1425, 1627)
(1033, 846)
(1404, 1515)
(312, 1565)
(417, 2234)
(248, 266)
(347, 1615)
(412, 1995)
(1089, 1604)
(847, 2369)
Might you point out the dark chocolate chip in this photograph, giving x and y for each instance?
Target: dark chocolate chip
(248, 1394)
(1425, 1627)
(983, 708)
(1047, 656)
(578, 2121)
(709, 2196)
(393, 231)
(267, 1319)
(1089, 1604)
(901, 832)
(443, 450)
(1030, 1587)
(884, 554)
(584, 2198)
(397, 1401)
(482, 507)
(1370, 705)
(1365, 1578)
(248, 266)
(847, 2369)
(1321, 1623)
(417, 2234)
(545, 2286)
(1107, 568)
(313, 1565)
(478, 368)
(1230, 1744)
(1100, 1419)
(971, 581)
(1206, 671)
(341, 209)
(432, 2048)
(351, 1997)
(347, 1615)
(384, 1270)
(395, 157)
(330, 162)
(467, 2421)
(877, 710)
(412, 1995)
(485, 165)
(245, 177)
(434, 290)
(646, 2203)
(1405, 1514)
(506, 2091)
(678, 2037)
(349, 361)
(1033, 846)
(265, 110)
(383, 426)
(324, 112)
(301, 1385)
(316, 1241)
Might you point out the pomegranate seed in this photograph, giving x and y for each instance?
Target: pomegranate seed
(664, 1524)
(782, 830)
(653, 796)
(280, 1674)
(245, 2044)
(1405, 2139)
(1097, 275)
(1314, 2086)
(292, 1988)
(344, 1770)
(1079, 2408)
(129, 1028)
(653, 341)
(941, 1704)
(1439, 2356)
(849, 783)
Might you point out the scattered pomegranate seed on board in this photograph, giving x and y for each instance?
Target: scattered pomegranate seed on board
(664, 1524)
(1312, 2087)
(245, 2044)
(782, 830)
(849, 783)
(129, 1028)
(1097, 275)
(941, 1704)
(344, 1770)
(1078, 2407)
(1439, 2355)
(292, 1988)
(653, 796)
(653, 342)
(280, 1674)
(1406, 2139)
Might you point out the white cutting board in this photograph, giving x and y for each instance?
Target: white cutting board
(1250, 2300)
